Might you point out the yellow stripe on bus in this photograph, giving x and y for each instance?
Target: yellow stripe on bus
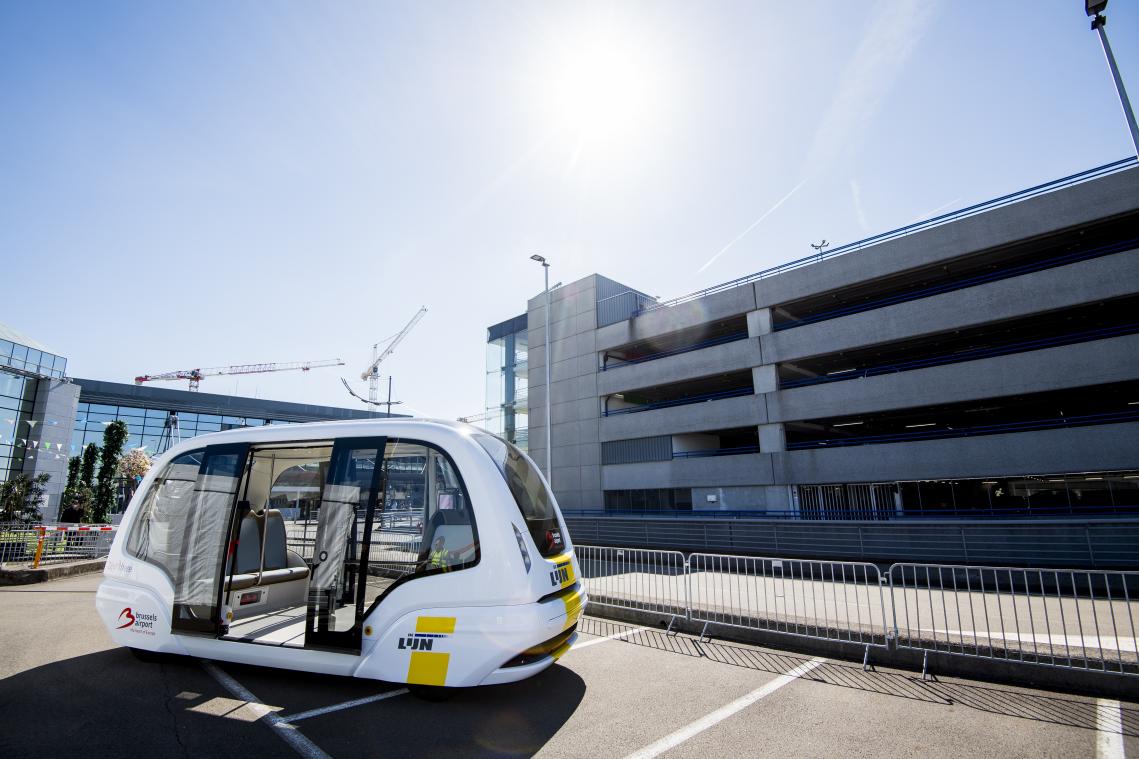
(560, 651)
(435, 625)
(428, 668)
(572, 603)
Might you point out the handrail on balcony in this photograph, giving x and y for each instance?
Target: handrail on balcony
(734, 393)
(721, 340)
(1112, 417)
(970, 355)
(962, 284)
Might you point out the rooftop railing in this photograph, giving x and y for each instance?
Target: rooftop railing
(641, 305)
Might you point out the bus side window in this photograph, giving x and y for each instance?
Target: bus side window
(424, 487)
(157, 532)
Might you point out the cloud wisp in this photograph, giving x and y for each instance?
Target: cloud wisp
(881, 56)
(752, 226)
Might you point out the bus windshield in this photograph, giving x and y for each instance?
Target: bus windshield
(530, 493)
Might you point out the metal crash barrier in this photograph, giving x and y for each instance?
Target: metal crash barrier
(828, 600)
(635, 578)
(35, 546)
(1060, 618)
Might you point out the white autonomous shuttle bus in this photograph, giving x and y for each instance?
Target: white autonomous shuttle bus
(414, 551)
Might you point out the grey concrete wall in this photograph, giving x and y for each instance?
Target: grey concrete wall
(54, 414)
(1097, 448)
(744, 498)
(1064, 286)
(575, 409)
(1052, 212)
(714, 471)
(1101, 361)
(734, 302)
(726, 413)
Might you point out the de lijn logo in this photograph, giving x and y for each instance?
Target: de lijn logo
(420, 641)
(560, 574)
(137, 621)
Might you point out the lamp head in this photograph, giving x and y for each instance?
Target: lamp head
(538, 258)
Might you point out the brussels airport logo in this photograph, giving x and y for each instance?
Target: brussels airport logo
(137, 621)
(419, 641)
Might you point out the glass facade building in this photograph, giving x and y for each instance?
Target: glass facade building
(506, 381)
(17, 399)
(152, 429)
(23, 364)
(158, 418)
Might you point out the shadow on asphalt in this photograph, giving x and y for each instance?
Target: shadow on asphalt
(1034, 706)
(110, 704)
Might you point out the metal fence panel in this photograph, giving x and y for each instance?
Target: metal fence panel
(39, 545)
(634, 578)
(1055, 617)
(817, 599)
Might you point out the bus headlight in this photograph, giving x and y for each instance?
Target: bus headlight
(522, 548)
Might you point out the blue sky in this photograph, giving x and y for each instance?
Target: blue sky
(200, 184)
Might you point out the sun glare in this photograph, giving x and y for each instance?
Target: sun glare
(603, 90)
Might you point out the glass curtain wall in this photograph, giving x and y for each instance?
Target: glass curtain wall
(17, 398)
(31, 360)
(146, 426)
(506, 381)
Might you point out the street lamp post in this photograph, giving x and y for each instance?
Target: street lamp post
(549, 389)
(1095, 9)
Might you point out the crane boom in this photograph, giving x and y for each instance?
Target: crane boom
(196, 375)
(371, 370)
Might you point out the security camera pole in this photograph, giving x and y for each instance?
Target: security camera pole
(1095, 9)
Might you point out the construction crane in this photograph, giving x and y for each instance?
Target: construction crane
(372, 373)
(197, 375)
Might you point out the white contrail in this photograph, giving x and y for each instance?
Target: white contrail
(753, 225)
(860, 212)
(935, 211)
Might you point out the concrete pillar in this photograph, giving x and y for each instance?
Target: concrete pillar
(765, 379)
(759, 322)
(772, 438)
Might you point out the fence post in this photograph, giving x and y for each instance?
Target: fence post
(39, 547)
(687, 589)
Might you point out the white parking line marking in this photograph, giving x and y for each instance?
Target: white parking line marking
(346, 705)
(1109, 729)
(721, 714)
(287, 732)
(614, 636)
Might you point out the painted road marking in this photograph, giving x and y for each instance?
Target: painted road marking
(721, 714)
(1098, 642)
(285, 731)
(346, 705)
(614, 636)
(1109, 729)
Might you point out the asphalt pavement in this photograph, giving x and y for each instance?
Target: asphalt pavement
(623, 691)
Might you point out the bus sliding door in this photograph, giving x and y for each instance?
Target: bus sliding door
(340, 557)
(198, 573)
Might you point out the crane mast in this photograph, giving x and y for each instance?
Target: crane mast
(195, 376)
